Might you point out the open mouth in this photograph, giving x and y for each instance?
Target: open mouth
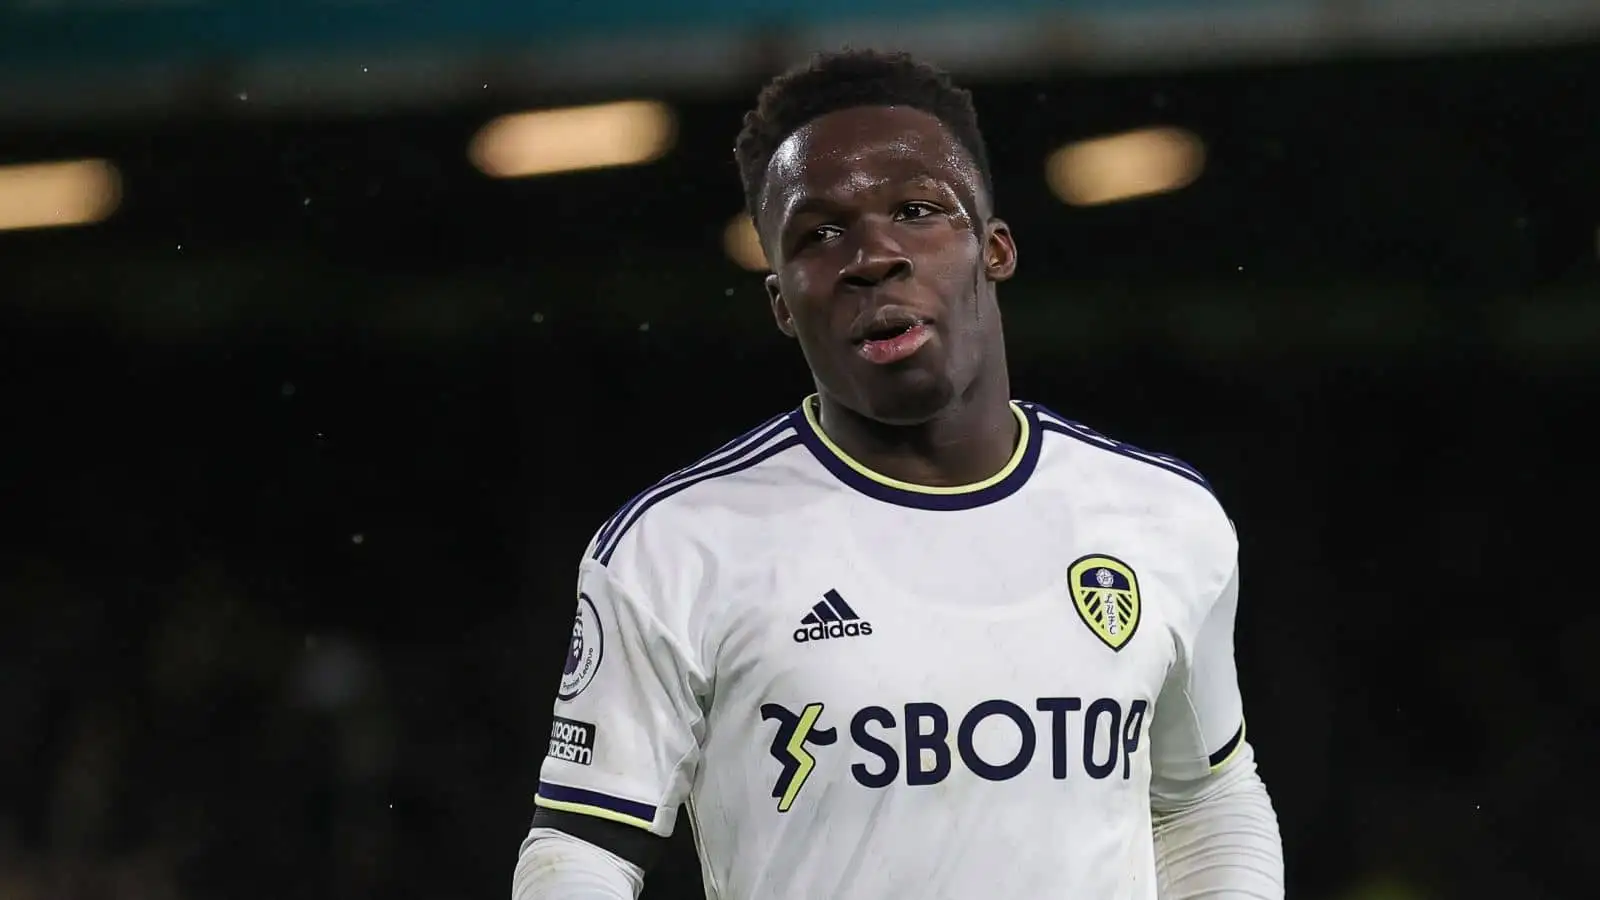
(891, 341)
(887, 324)
(889, 332)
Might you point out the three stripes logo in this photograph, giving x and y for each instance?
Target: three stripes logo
(831, 618)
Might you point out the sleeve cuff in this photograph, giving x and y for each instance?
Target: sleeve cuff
(594, 803)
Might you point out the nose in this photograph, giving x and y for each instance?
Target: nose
(878, 258)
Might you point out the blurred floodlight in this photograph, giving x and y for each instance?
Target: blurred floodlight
(742, 245)
(626, 133)
(1124, 166)
(57, 194)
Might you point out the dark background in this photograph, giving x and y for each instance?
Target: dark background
(303, 446)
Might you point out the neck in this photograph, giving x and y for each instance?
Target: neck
(970, 440)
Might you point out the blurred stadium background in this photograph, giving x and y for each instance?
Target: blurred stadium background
(325, 354)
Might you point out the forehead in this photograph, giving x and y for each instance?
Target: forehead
(858, 148)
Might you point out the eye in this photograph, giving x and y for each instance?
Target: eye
(916, 209)
(819, 235)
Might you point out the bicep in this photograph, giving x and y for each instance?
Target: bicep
(555, 865)
(624, 739)
(1199, 722)
(635, 845)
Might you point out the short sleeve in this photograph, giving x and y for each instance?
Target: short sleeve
(624, 740)
(1199, 718)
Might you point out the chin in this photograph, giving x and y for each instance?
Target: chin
(912, 398)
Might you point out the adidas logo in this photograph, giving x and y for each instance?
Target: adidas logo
(831, 618)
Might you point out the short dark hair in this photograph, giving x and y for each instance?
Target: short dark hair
(843, 80)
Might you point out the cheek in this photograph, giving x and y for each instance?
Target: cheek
(804, 290)
(959, 274)
(802, 285)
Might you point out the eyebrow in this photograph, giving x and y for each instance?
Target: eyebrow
(811, 203)
(814, 203)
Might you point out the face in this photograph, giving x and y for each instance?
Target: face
(885, 259)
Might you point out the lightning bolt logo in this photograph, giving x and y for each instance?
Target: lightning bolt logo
(789, 748)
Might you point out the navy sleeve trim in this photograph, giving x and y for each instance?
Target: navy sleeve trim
(1227, 750)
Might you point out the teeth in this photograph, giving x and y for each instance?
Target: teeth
(891, 332)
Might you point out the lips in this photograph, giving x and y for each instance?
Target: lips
(901, 346)
(890, 334)
(885, 323)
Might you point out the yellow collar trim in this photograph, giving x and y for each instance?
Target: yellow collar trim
(810, 409)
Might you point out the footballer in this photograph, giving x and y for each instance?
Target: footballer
(912, 638)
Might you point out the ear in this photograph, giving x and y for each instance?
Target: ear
(999, 251)
(780, 309)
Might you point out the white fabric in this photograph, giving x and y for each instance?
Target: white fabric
(554, 865)
(1217, 837)
(862, 690)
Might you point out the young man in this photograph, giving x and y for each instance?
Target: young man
(912, 639)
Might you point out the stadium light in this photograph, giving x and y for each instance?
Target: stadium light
(740, 242)
(626, 133)
(58, 194)
(1125, 166)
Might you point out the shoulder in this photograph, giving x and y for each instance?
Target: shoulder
(694, 509)
(1174, 497)
(1135, 463)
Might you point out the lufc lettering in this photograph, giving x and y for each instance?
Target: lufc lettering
(1098, 736)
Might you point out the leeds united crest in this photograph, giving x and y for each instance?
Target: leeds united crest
(1106, 594)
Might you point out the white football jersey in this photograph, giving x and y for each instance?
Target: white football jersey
(863, 688)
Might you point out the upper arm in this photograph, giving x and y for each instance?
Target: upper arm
(635, 845)
(1198, 726)
(624, 741)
